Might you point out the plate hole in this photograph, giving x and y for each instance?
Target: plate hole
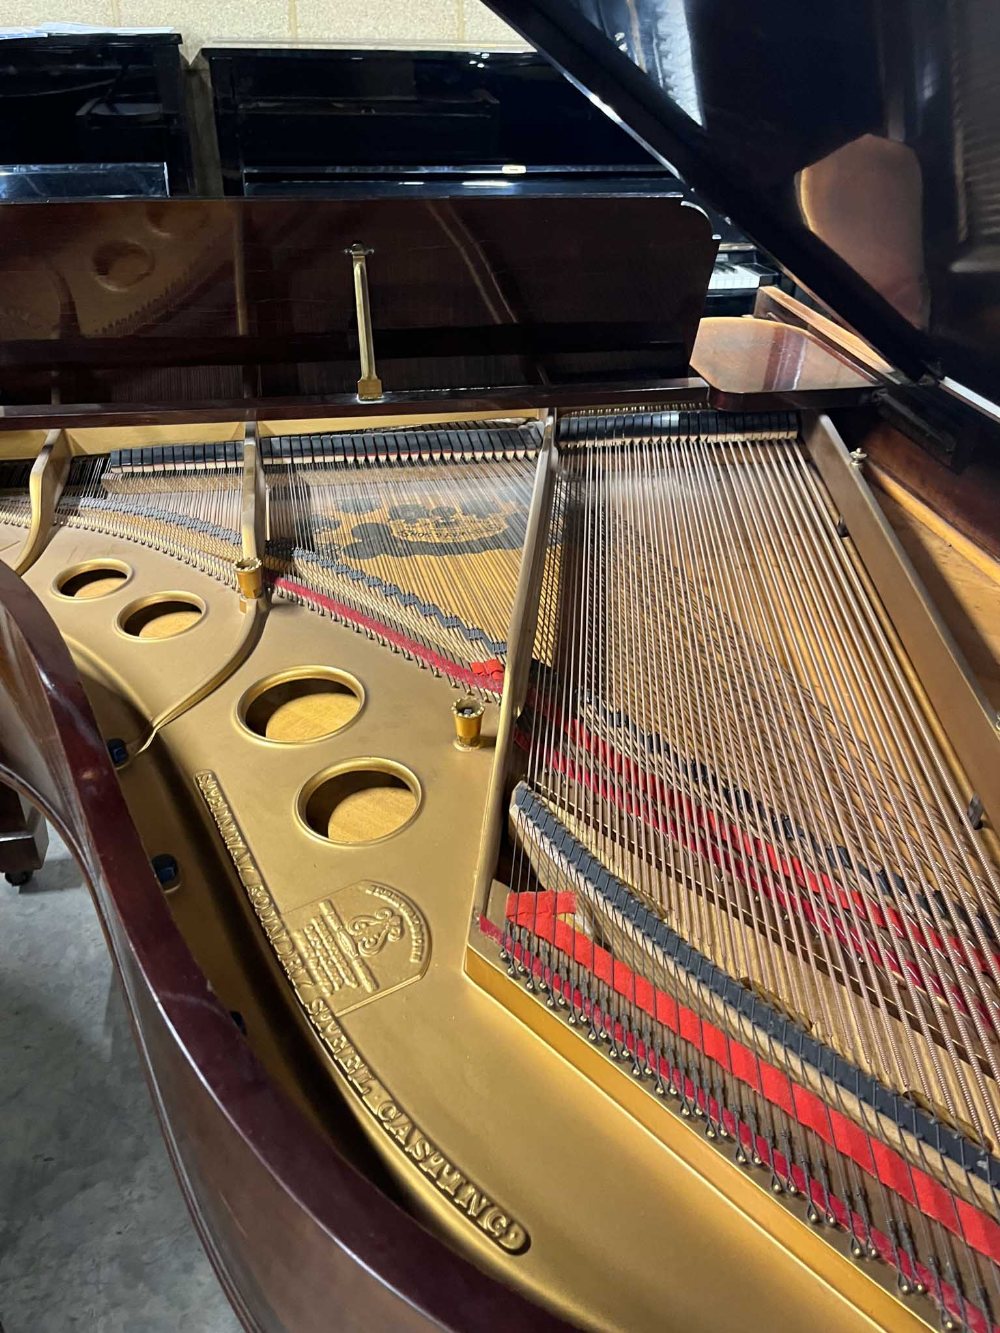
(119, 265)
(161, 617)
(91, 581)
(294, 709)
(361, 804)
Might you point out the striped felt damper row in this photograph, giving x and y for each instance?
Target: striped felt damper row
(597, 759)
(485, 676)
(412, 537)
(545, 966)
(727, 724)
(672, 994)
(454, 442)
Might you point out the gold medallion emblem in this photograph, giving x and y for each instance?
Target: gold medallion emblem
(361, 942)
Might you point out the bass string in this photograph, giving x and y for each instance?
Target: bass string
(708, 531)
(788, 543)
(842, 796)
(187, 508)
(404, 522)
(703, 548)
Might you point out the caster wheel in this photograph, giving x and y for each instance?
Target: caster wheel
(18, 877)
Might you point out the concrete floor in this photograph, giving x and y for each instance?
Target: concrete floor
(94, 1234)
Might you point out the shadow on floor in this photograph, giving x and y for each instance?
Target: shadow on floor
(94, 1234)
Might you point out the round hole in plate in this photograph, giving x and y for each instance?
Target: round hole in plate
(161, 616)
(96, 579)
(120, 264)
(303, 705)
(360, 802)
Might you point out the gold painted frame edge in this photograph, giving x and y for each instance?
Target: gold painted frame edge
(944, 674)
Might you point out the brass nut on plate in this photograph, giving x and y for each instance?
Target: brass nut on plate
(250, 578)
(468, 715)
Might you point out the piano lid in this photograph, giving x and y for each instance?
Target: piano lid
(858, 143)
(129, 309)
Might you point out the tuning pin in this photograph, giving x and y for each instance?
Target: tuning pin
(520, 959)
(738, 1152)
(751, 1120)
(658, 1088)
(682, 1083)
(812, 1212)
(911, 1254)
(786, 1148)
(829, 1216)
(903, 1284)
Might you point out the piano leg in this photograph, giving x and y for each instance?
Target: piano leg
(24, 837)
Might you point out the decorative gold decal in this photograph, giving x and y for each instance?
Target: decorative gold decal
(361, 942)
(346, 951)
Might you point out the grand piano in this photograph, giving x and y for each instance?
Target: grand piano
(85, 112)
(533, 744)
(341, 123)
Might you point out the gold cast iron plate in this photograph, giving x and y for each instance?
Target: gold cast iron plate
(624, 1233)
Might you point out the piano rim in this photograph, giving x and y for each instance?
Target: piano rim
(347, 1230)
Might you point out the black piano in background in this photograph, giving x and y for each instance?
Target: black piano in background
(345, 123)
(93, 114)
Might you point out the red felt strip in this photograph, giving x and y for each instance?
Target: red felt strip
(916, 1186)
(525, 908)
(981, 1232)
(691, 1027)
(812, 1112)
(743, 1063)
(892, 1171)
(482, 675)
(666, 1010)
(852, 1141)
(775, 862)
(776, 1087)
(935, 1201)
(716, 1045)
